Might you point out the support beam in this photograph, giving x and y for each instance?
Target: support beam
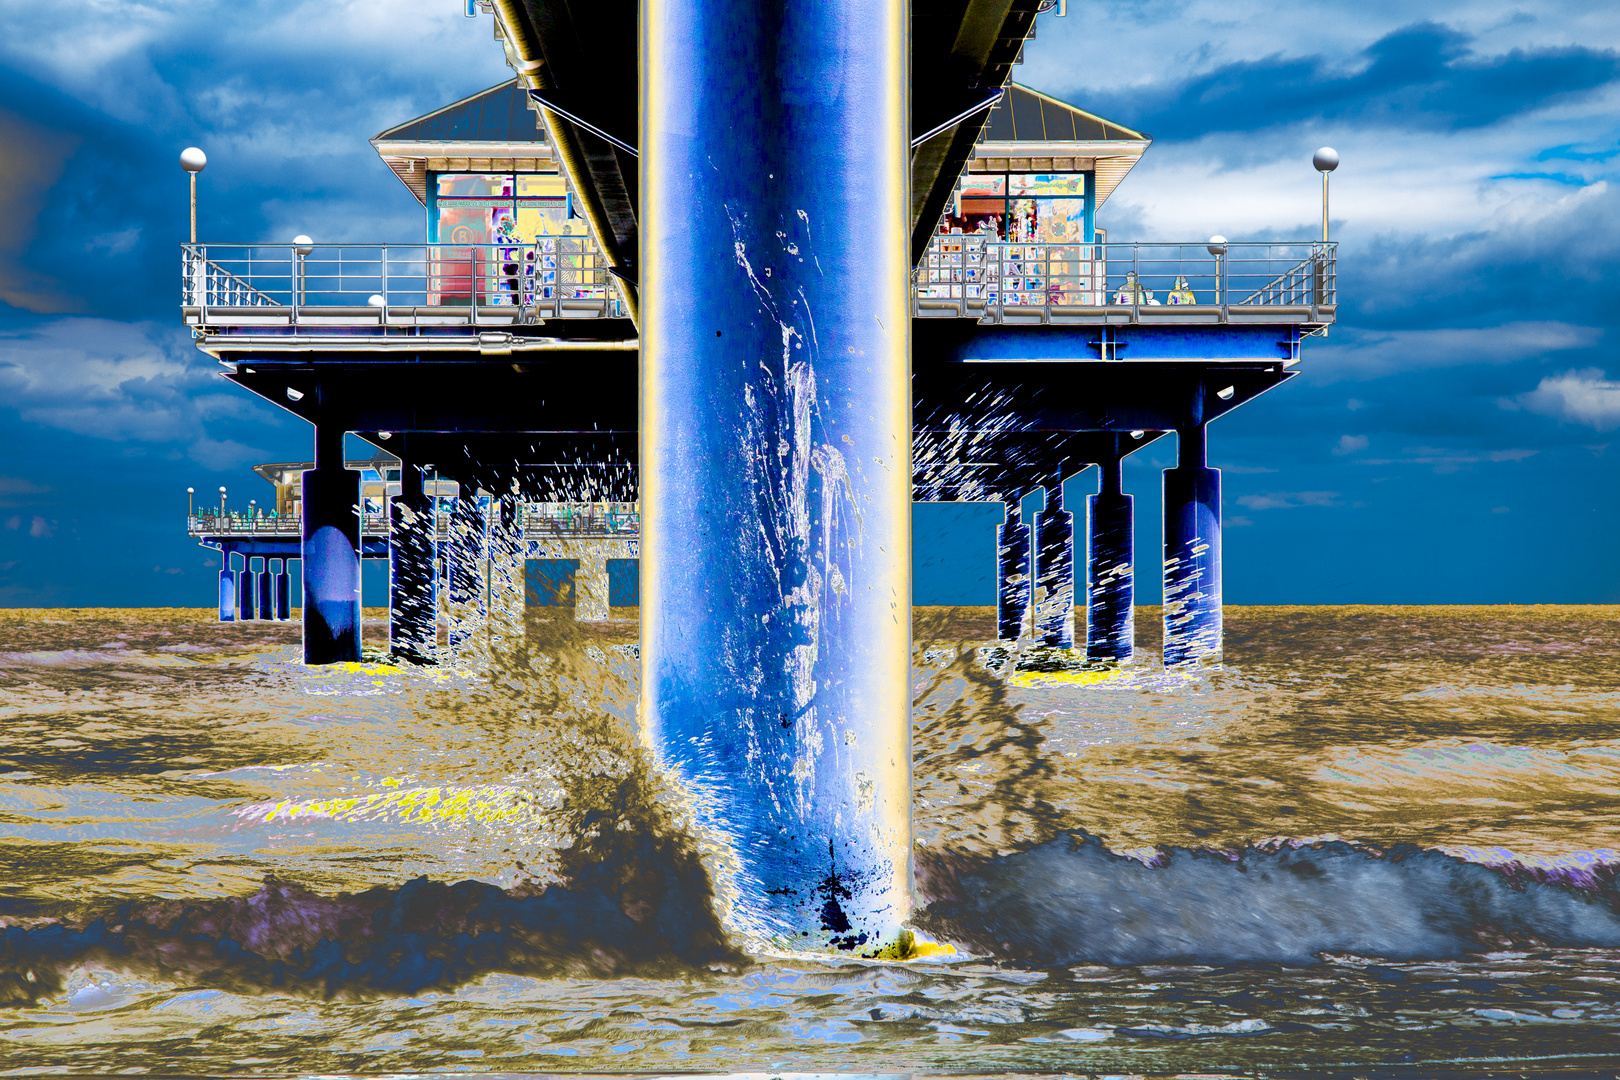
(776, 410)
(1192, 554)
(413, 603)
(1110, 625)
(1054, 571)
(1013, 580)
(331, 554)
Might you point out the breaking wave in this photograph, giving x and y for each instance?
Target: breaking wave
(1071, 900)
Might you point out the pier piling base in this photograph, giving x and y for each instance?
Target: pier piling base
(1013, 583)
(227, 590)
(1192, 555)
(331, 556)
(284, 592)
(413, 602)
(1110, 624)
(466, 565)
(1054, 572)
(246, 607)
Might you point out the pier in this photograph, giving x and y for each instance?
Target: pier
(765, 364)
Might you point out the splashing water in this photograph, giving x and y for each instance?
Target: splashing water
(1374, 833)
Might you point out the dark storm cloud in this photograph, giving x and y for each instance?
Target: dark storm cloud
(1422, 77)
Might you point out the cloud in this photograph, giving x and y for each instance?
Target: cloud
(14, 522)
(1424, 76)
(1350, 444)
(1445, 461)
(31, 161)
(1582, 397)
(1283, 500)
(17, 485)
(136, 383)
(40, 529)
(1372, 354)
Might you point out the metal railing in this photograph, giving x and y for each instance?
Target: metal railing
(536, 519)
(273, 526)
(552, 277)
(575, 519)
(978, 276)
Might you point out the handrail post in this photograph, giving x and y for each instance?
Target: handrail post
(1136, 293)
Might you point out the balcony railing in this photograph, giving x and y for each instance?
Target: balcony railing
(971, 276)
(349, 287)
(327, 285)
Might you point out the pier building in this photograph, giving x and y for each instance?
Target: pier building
(746, 290)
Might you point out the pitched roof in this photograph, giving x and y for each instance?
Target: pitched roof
(1025, 115)
(1027, 124)
(500, 114)
(494, 130)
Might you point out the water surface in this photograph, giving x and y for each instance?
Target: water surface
(1374, 837)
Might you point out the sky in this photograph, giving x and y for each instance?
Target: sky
(1455, 438)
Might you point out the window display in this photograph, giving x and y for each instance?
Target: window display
(1021, 207)
(550, 254)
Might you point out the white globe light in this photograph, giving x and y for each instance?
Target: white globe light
(193, 159)
(376, 300)
(1217, 245)
(303, 244)
(1325, 159)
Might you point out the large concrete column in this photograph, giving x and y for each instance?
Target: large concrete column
(1013, 581)
(331, 554)
(1192, 554)
(1110, 626)
(1054, 571)
(413, 603)
(465, 564)
(775, 449)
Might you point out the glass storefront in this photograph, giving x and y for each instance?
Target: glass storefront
(525, 243)
(488, 208)
(1022, 208)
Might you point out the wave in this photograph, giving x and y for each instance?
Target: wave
(649, 913)
(1071, 900)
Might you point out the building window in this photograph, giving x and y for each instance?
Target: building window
(495, 208)
(1048, 208)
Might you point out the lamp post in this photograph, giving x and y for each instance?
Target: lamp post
(303, 245)
(190, 512)
(222, 506)
(1217, 248)
(1326, 160)
(193, 161)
